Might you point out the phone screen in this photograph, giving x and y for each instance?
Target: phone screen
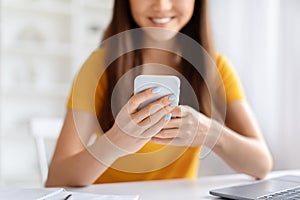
(168, 85)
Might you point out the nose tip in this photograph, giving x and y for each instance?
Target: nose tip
(161, 5)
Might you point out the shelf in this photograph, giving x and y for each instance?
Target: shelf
(44, 43)
(58, 7)
(94, 4)
(39, 48)
(40, 8)
(35, 52)
(47, 49)
(31, 90)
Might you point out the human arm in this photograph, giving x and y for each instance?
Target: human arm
(240, 143)
(75, 164)
(72, 163)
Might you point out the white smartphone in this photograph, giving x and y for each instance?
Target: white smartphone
(168, 84)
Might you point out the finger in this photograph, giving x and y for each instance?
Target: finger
(152, 119)
(156, 128)
(162, 103)
(180, 111)
(173, 123)
(167, 133)
(140, 97)
(166, 141)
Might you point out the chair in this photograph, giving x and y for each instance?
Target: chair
(44, 129)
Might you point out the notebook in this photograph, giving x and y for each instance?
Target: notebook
(56, 194)
(283, 187)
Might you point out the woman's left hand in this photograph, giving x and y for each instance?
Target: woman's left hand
(189, 128)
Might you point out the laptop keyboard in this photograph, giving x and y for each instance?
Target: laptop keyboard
(283, 195)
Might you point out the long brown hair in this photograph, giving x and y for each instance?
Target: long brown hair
(197, 28)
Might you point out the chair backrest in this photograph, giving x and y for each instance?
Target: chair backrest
(44, 129)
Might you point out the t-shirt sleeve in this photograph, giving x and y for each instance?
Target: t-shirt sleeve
(88, 88)
(232, 85)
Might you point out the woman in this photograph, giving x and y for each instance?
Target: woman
(149, 144)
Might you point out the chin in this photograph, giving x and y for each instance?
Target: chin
(160, 34)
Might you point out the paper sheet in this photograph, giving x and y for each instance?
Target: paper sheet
(56, 194)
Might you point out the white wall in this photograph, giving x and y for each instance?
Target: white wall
(261, 39)
(288, 90)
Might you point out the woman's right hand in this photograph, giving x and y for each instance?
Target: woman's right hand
(133, 128)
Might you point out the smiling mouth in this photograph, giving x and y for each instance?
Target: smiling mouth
(162, 20)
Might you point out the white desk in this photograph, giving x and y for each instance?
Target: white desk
(175, 189)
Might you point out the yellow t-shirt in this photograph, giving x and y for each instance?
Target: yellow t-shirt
(153, 161)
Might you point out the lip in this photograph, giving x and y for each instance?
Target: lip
(161, 21)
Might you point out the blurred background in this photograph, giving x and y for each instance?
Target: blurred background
(44, 42)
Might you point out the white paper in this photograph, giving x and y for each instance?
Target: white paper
(56, 194)
(89, 196)
(28, 193)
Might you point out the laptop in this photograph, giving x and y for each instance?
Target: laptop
(282, 187)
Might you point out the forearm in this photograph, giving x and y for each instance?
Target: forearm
(84, 167)
(79, 170)
(244, 154)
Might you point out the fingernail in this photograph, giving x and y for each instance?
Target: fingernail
(171, 98)
(168, 116)
(156, 90)
(172, 105)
